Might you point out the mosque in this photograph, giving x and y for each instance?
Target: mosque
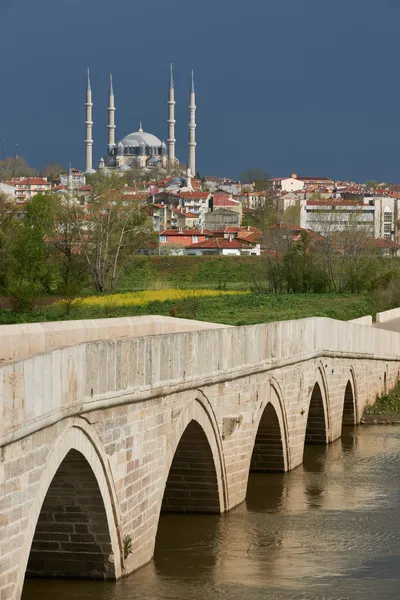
(140, 149)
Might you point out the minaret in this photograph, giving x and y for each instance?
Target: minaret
(171, 121)
(89, 127)
(111, 116)
(192, 130)
(189, 178)
(70, 179)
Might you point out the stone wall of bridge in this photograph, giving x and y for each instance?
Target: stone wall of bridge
(172, 422)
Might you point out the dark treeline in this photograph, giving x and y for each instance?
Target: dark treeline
(340, 261)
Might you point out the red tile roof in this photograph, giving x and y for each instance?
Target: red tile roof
(185, 232)
(32, 181)
(194, 194)
(334, 202)
(189, 215)
(222, 200)
(220, 243)
(326, 179)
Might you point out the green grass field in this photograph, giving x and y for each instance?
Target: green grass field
(235, 309)
(230, 272)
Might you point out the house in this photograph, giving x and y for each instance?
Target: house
(162, 216)
(178, 239)
(251, 235)
(287, 184)
(27, 188)
(220, 218)
(296, 183)
(222, 247)
(254, 199)
(191, 201)
(74, 178)
(186, 220)
(222, 184)
(7, 190)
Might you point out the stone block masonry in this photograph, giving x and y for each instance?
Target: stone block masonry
(98, 437)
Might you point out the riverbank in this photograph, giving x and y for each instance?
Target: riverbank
(232, 308)
(386, 410)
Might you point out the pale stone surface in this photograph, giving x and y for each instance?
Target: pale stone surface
(367, 320)
(126, 404)
(26, 339)
(388, 315)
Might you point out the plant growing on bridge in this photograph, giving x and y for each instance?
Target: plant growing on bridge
(128, 549)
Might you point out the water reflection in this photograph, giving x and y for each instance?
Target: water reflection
(326, 531)
(266, 492)
(195, 537)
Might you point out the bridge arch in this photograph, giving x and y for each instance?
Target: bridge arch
(350, 413)
(77, 455)
(317, 426)
(195, 478)
(270, 448)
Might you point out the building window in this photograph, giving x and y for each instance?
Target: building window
(163, 238)
(387, 230)
(195, 239)
(387, 217)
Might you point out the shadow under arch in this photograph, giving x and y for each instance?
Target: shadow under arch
(74, 509)
(268, 452)
(192, 483)
(349, 417)
(316, 430)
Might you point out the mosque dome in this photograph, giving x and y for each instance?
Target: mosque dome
(141, 137)
(155, 160)
(177, 181)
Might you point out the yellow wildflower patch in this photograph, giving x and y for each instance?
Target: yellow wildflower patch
(142, 298)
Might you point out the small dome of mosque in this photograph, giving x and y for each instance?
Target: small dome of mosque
(153, 161)
(141, 137)
(177, 181)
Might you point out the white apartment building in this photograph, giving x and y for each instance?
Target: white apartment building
(377, 215)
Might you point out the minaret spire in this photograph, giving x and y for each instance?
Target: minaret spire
(70, 179)
(192, 129)
(171, 121)
(89, 126)
(111, 116)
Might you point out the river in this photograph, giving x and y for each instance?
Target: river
(329, 530)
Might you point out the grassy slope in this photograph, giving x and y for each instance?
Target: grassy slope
(193, 271)
(243, 309)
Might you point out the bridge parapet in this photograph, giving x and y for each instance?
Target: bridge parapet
(28, 339)
(38, 391)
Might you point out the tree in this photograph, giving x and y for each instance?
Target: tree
(52, 171)
(372, 184)
(71, 265)
(29, 271)
(107, 231)
(260, 178)
(15, 167)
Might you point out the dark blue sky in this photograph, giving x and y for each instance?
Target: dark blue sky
(310, 86)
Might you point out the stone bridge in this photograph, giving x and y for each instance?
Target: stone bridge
(105, 424)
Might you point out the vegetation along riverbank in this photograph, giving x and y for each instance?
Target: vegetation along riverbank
(386, 410)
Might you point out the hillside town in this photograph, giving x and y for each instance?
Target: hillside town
(220, 216)
(202, 216)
